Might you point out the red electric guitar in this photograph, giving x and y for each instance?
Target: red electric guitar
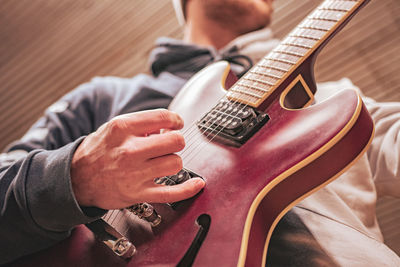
(261, 147)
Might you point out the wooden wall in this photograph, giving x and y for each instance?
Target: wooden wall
(48, 47)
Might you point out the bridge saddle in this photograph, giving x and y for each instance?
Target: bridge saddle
(146, 212)
(107, 234)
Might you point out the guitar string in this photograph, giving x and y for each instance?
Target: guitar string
(120, 217)
(115, 216)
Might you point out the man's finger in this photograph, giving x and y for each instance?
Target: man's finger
(174, 193)
(164, 166)
(151, 121)
(158, 145)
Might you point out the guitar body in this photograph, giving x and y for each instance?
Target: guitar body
(249, 188)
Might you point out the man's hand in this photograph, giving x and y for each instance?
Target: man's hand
(115, 166)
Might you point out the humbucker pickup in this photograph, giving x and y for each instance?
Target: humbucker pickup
(232, 123)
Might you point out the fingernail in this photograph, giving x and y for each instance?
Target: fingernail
(181, 122)
(200, 182)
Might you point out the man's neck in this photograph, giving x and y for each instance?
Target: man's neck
(201, 30)
(207, 35)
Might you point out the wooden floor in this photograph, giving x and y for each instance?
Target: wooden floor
(48, 47)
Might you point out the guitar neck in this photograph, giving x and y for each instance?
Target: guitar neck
(299, 45)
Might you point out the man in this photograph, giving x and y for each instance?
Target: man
(96, 154)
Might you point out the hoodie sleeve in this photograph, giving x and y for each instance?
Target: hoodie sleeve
(37, 203)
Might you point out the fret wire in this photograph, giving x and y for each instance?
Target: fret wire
(298, 45)
(291, 59)
(276, 65)
(307, 33)
(273, 67)
(327, 25)
(281, 60)
(324, 19)
(313, 28)
(306, 37)
(267, 75)
(301, 41)
(343, 5)
(335, 6)
(251, 87)
(288, 53)
(313, 32)
(293, 49)
(333, 9)
(327, 15)
(247, 93)
(259, 81)
(239, 95)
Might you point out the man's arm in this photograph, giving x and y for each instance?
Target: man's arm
(37, 203)
(40, 203)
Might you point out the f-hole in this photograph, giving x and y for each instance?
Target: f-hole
(298, 94)
(204, 222)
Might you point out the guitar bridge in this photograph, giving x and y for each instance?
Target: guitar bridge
(232, 123)
(115, 241)
(146, 212)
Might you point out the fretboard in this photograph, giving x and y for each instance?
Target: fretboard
(265, 77)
